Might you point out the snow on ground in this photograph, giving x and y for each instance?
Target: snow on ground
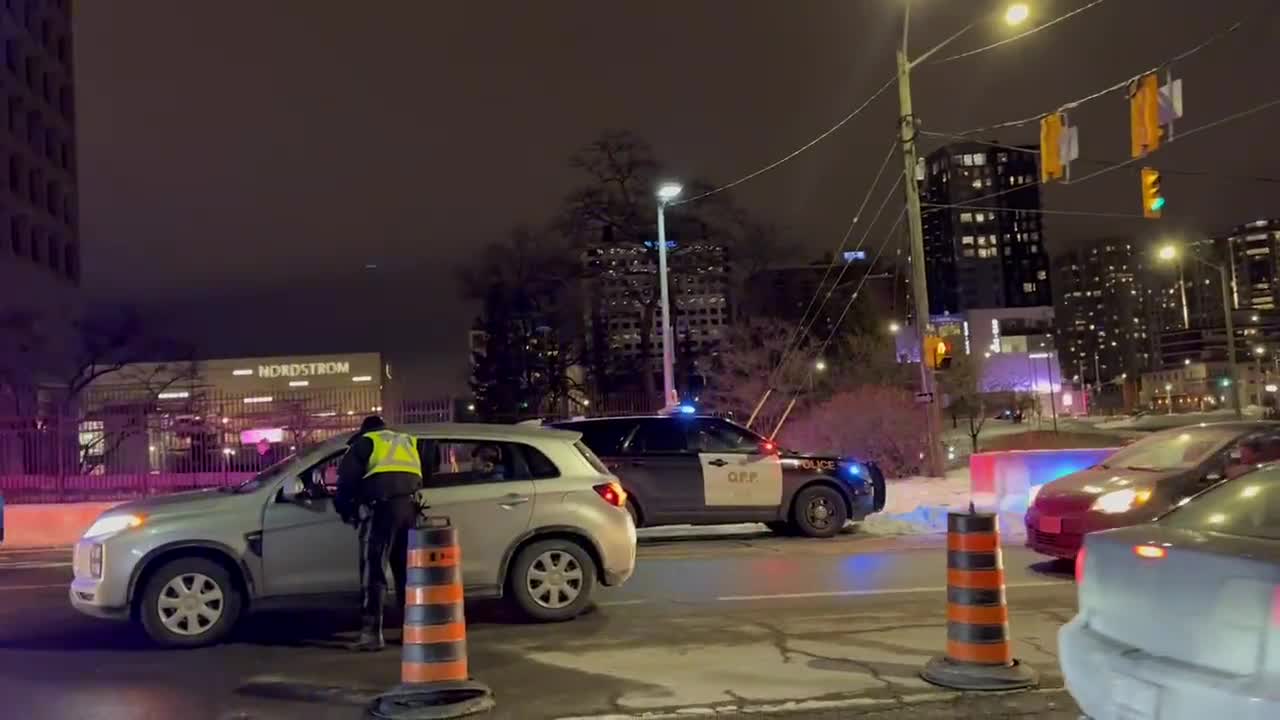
(914, 506)
(1156, 421)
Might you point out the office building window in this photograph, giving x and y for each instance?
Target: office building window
(1028, 287)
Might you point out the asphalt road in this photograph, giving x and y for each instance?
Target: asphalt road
(802, 628)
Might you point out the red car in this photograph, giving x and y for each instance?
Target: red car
(1144, 480)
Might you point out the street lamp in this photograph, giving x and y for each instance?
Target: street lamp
(667, 192)
(894, 327)
(1170, 252)
(915, 223)
(820, 365)
(1016, 14)
(1168, 391)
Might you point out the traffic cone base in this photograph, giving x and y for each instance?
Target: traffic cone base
(979, 654)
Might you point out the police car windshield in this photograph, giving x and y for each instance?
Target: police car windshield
(258, 481)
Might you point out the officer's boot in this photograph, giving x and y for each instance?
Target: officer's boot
(371, 639)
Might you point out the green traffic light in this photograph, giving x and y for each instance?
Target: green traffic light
(1157, 203)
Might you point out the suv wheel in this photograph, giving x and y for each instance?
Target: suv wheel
(819, 512)
(552, 580)
(190, 602)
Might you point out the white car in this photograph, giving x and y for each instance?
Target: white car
(1180, 619)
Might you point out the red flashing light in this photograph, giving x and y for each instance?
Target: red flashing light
(768, 448)
(1150, 552)
(612, 494)
(1080, 560)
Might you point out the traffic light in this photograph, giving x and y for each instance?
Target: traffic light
(1152, 198)
(1144, 115)
(1051, 160)
(937, 353)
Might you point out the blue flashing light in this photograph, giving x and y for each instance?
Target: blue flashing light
(853, 469)
(687, 410)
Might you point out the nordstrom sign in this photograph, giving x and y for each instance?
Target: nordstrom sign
(294, 370)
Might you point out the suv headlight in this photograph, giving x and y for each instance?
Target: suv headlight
(1121, 501)
(112, 524)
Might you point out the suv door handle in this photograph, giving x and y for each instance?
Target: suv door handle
(717, 462)
(513, 500)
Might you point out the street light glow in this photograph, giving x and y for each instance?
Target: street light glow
(1259, 351)
(669, 190)
(1017, 14)
(820, 365)
(894, 327)
(1168, 252)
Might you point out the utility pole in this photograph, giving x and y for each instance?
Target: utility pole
(919, 279)
(1229, 321)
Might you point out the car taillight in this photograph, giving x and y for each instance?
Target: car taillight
(1080, 559)
(612, 494)
(768, 448)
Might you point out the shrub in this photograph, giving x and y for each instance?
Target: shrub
(884, 425)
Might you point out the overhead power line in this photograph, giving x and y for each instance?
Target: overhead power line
(1017, 37)
(843, 121)
(798, 331)
(1110, 88)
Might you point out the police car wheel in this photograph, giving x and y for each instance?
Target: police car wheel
(552, 580)
(189, 602)
(819, 512)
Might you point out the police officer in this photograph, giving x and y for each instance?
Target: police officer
(377, 482)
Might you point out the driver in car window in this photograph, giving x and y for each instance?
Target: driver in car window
(486, 463)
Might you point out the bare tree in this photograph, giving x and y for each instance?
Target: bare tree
(965, 394)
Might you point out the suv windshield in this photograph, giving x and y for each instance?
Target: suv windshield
(255, 483)
(1172, 450)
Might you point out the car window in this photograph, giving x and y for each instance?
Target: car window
(472, 462)
(591, 458)
(1253, 450)
(604, 437)
(322, 478)
(1172, 449)
(540, 466)
(1248, 506)
(709, 435)
(659, 435)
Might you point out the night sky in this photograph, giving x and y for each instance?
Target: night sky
(242, 161)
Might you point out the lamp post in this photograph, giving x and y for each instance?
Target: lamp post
(1258, 352)
(1169, 253)
(666, 193)
(1168, 394)
(1014, 15)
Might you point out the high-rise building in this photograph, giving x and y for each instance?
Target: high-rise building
(624, 322)
(983, 237)
(1103, 313)
(39, 238)
(1254, 254)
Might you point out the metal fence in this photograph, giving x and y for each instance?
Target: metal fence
(124, 445)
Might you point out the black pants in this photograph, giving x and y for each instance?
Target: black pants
(384, 537)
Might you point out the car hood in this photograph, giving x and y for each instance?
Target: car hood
(1099, 480)
(182, 502)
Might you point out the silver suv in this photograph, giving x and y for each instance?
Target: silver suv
(542, 529)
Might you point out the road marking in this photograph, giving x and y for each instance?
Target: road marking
(32, 587)
(620, 603)
(857, 593)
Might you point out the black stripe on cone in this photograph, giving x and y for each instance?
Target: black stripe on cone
(976, 597)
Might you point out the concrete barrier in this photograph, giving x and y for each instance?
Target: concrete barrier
(1002, 481)
(44, 525)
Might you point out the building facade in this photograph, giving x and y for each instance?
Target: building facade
(624, 320)
(1254, 254)
(39, 236)
(989, 252)
(1103, 310)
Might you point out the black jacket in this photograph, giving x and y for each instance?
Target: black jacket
(354, 490)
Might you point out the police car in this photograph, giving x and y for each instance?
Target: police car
(686, 468)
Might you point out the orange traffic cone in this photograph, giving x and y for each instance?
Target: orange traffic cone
(979, 653)
(434, 677)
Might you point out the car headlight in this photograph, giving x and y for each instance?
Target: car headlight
(112, 524)
(1121, 501)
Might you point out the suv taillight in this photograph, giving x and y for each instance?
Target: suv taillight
(612, 493)
(1080, 560)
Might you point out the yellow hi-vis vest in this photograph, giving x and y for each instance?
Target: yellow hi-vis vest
(393, 452)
